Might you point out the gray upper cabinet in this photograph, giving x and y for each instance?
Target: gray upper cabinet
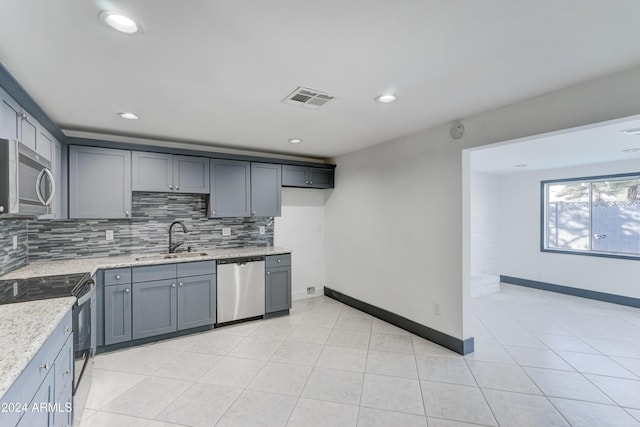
(307, 177)
(28, 132)
(10, 120)
(266, 189)
(99, 182)
(159, 172)
(230, 189)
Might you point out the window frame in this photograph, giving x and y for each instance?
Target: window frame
(543, 216)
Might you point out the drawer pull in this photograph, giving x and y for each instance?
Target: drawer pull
(44, 366)
(117, 277)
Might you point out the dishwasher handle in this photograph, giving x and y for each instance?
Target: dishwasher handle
(240, 261)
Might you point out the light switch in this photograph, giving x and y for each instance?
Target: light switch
(263, 229)
(15, 242)
(109, 235)
(226, 231)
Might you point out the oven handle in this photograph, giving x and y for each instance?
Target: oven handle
(86, 297)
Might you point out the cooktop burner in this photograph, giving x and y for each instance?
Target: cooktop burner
(47, 287)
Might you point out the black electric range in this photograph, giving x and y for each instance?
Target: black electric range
(46, 287)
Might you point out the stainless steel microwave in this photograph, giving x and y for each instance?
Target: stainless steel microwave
(27, 185)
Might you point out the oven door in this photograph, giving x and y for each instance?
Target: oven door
(84, 340)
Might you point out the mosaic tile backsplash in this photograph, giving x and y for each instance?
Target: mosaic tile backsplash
(12, 258)
(147, 231)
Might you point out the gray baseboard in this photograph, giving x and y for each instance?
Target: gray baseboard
(459, 346)
(567, 290)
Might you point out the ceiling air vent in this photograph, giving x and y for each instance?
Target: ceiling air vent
(635, 131)
(308, 98)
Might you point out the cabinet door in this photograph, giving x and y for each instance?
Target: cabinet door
(29, 133)
(191, 174)
(320, 178)
(43, 143)
(10, 121)
(44, 396)
(64, 369)
(278, 289)
(154, 308)
(294, 176)
(230, 189)
(99, 182)
(196, 301)
(151, 171)
(117, 314)
(266, 191)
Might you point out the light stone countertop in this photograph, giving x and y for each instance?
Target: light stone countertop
(24, 327)
(91, 265)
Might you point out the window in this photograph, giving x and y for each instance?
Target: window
(593, 216)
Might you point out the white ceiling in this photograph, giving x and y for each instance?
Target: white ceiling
(214, 72)
(595, 143)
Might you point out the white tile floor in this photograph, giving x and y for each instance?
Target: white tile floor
(541, 359)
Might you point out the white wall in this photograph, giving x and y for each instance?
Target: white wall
(397, 223)
(520, 254)
(301, 229)
(485, 223)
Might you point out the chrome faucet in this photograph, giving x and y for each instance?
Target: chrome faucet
(172, 246)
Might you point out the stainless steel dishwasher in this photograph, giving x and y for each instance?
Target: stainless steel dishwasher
(240, 285)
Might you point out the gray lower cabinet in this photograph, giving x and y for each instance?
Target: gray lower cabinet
(159, 172)
(307, 177)
(117, 313)
(266, 189)
(196, 301)
(230, 185)
(277, 283)
(154, 308)
(99, 182)
(44, 388)
(172, 297)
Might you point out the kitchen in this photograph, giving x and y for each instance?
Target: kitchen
(356, 229)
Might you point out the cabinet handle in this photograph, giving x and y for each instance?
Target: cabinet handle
(213, 212)
(173, 285)
(278, 259)
(177, 188)
(180, 284)
(268, 273)
(171, 187)
(66, 372)
(253, 212)
(126, 213)
(310, 182)
(44, 366)
(126, 291)
(67, 330)
(306, 182)
(117, 277)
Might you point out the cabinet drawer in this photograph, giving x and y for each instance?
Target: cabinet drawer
(154, 272)
(278, 260)
(198, 268)
(117, 276)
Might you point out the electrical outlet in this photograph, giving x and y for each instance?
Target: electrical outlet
(108, 235)
(226, 231)
(15, 242)
(263, 229)
(436, 309)
(311, 290)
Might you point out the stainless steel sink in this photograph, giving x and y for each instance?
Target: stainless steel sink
(172, 256)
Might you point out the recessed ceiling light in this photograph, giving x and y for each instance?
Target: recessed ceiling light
(120, 22)
(386, 99)
(520, 165)
(129, 116)
(631, 150)
(295, 140)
